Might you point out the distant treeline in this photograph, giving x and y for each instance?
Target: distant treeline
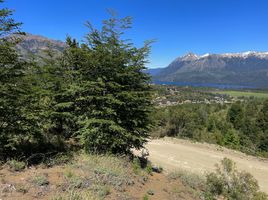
(241, 125)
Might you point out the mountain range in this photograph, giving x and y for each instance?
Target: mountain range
(244, 69)
(38, 45)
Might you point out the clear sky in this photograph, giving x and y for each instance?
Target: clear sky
(179, 26)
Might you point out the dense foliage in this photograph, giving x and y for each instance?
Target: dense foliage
(240, 125)
(95, 96)
(109, 92)
(16, 127)
(229, 183)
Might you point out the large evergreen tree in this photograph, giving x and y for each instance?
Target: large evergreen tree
(112, 93)
(47, 84)
(15, 124)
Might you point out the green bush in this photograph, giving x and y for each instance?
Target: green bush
(15, 165)
(145, 197)
(149, 168)
(40, 180)
(136, 164)
(150, 192)
(229, 183)
(101, 190)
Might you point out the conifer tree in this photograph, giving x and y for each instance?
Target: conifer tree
(15, 124)
(112, 93)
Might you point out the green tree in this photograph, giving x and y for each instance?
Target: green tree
(231, 139)
(49, 102)
(236, 115)
(262, 120)
(182, 122)
(112, 94)
(262, 124)
(15, 124)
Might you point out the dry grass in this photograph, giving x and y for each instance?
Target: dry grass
(86, 177)
(194, 183)
(104, 170)
(76, 195)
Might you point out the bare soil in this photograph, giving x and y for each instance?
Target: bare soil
(19, 185)
(163, 189)
(174, 154)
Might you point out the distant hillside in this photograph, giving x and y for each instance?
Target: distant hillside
(247, 69)
(37, 45)
(153, 72)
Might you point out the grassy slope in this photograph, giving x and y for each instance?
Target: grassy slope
(89, 177)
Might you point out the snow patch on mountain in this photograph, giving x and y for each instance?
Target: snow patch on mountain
(191, 56)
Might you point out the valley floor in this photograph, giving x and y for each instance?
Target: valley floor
(174, 154)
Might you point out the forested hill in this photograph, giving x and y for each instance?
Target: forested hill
(245, 69)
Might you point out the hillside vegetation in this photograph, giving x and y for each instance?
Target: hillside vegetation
(94, 96)
(69, 123)
(238, 123)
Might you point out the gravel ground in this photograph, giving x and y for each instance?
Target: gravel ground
(172, 154)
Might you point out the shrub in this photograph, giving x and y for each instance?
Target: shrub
(76, 195)
(145, 197)
(150, 192)
(136, 164)
(21, 188)
(149, 168)
(15, 165)
(74, 181)
(231, 184)
(40, 180)
(101, 190)
(59, 159)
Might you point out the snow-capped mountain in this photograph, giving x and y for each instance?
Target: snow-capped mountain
(246, 68)
(192, 56)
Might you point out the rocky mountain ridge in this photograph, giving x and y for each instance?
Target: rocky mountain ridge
(38, 45)
(246, 68)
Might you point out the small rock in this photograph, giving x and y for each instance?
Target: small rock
(157, 169)
(150, 192)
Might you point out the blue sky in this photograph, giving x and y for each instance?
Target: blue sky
(179, 26)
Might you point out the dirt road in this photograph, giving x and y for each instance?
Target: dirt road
(200, 158)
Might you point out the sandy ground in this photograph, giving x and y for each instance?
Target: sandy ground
(174, 154)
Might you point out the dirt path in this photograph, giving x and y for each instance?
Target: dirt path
(197, 157)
